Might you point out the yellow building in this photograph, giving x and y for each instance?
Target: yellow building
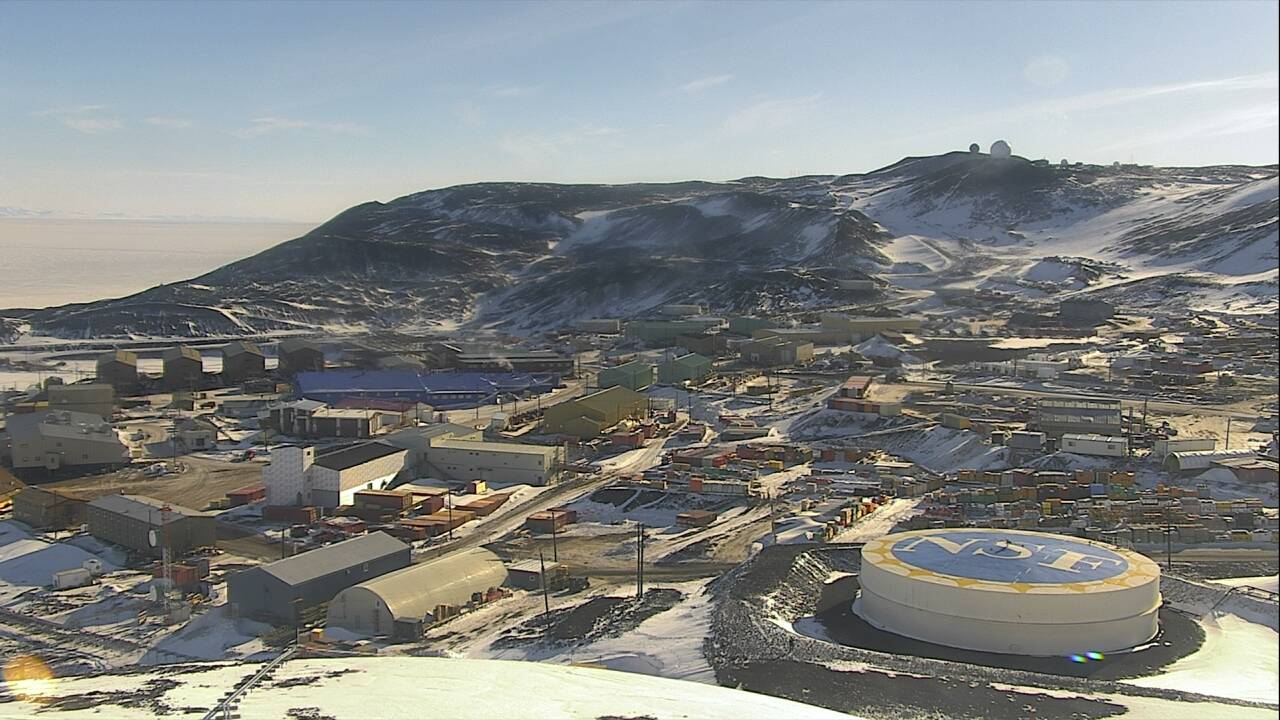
(589, 416)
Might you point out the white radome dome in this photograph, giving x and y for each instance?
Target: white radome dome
(1001, 148)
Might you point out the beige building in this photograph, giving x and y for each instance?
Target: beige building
(242, 361)
(93, 398)
(183, 368)
(495, 462)
(859, 328)
(59, 439)
(401, 602)
(118, 368)
(776, 351)
(589, 416)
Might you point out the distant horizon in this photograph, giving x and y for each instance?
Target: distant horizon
(63, 215)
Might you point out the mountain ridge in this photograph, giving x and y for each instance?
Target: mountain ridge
(525, 257)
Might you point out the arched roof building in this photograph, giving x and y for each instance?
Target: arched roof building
(373, 607)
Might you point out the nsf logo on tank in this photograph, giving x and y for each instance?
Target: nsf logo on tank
(1009, 557)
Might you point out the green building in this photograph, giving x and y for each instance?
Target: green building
(687, 368)
(746, 325)
(635, 375)
(665, 332)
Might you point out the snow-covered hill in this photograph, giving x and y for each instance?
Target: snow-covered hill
(528, 256)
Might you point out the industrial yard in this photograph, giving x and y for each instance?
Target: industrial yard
(617, 498)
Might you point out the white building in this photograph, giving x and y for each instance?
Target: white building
(1098, 445)
(1161, 449)
(496, 463)
(297, 476)
(287, 476)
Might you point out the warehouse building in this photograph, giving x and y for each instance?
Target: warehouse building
(709, 344)
(1009, 591)
(851, 328)
(635, 375)
(746, 325)
(297, 355)
(1094, 445)
(195, 434)
(242, 361)
(1160, 449)
(1084, 311)
(314, 419)
(278, 591)
(679, 310)
(442, 390)
(119, 369)
(47, 510)
(183, 368)
(56, 440)
(691, 368)
(664, 332)
(1057, 416)
(588, 417)
(496, 462)
(776, 351)
(518, 361)
(600, 326)
(93, 398)
(297, 476)
(400, 603)
(148, 526)
(1193, 461)
(417, 441)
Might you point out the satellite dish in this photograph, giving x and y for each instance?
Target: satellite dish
(152, 538)
(975, 148)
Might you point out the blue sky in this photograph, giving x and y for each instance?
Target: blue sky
(297, 110)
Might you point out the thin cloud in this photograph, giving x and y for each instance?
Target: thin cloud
(1229, 122)
(1046, 70)
(513, 91)
(88, 119)
(168, 122)
(1066, 106)
(771, 114)
(266, 125)
(694, 87)
(541, 147)
(92, 125)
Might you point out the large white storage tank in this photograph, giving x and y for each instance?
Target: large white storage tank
(1009, 591)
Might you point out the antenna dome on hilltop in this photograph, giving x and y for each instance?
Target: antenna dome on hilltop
(975, 148)
(1001, 148)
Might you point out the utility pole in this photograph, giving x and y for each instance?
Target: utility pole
(1227, 444)
(546, 601)
(639, 560)
(1168, 540)
(555, 553)
(448, 503)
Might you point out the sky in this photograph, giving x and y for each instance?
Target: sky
(295, 111)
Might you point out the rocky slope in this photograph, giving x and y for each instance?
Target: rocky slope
(527, 256)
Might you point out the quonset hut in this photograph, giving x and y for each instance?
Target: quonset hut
(1009, 591)
(398, 603)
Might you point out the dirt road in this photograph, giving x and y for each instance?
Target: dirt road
(203, 481)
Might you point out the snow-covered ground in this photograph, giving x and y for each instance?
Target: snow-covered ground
(1270, 583)
(1238, 660)
(27, 561)
(404, 687)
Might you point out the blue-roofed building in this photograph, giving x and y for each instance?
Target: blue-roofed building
(441, 390)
